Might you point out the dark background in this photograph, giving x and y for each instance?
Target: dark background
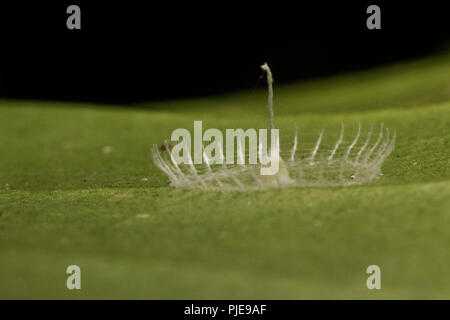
(138, 51)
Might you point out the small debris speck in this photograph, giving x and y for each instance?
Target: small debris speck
(142, 216)
(7, 186)
(107, 149)
(144, 179)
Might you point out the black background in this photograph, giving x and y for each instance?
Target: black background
(276, 309)
(137, 51)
